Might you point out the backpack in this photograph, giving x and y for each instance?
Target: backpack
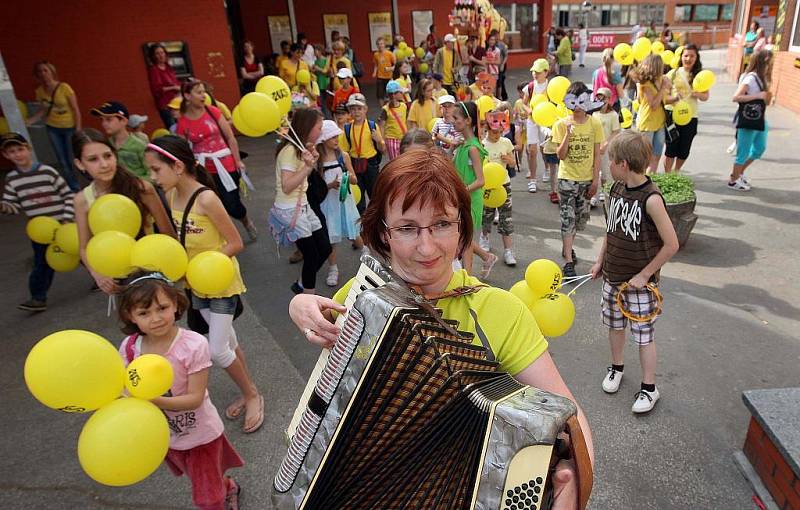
(372, 126)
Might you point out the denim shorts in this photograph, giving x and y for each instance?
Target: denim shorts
(223, 306)
(657, 139)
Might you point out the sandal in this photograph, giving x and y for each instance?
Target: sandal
(234, 410)
(488, 265)
(233, 495)
(259, 422)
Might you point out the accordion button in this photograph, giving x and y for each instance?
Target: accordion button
(524, 486)
(539, 479)
(516, 499)
(537, 489)
(535, 499)
(510, 493)
(517, 490)
(508, 501)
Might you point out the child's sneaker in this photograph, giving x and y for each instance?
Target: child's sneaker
(612, 380)
(33, 305)
(569, 270)
(601, 197)
(645, 401)
(483, 242)
(333, 276)
(546, 175)
(739, 185)
(731, 148)
(508, 258)
(532, 186)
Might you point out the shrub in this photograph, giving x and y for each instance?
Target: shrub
(677, 188)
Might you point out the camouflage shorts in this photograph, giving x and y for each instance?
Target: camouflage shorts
(574, 205)
(505, 226)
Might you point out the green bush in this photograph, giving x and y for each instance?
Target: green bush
(676, 188)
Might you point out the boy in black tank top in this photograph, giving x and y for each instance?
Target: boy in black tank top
(640, 239)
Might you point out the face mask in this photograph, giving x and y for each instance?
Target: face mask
(582, 102)
(498, 120)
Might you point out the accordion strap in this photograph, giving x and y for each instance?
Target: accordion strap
(482, 336)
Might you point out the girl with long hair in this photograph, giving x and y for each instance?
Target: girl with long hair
(95, 155)
(652, 89)
(681, 79)
(606, 76)
(193, 203)
(424, 108)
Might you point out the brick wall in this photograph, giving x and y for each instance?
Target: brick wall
(786, 80)
(96, 46)
(782, 483)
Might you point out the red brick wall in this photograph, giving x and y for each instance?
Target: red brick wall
(97, 47)
(778, 477)
(786, 80)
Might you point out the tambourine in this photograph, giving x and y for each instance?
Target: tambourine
(638, 318)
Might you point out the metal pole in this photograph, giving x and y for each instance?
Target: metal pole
(292, 19)
(396, 18)
(10, 107)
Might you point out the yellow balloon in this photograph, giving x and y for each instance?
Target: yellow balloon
(432, 123)
(557, 89)
(158, 133)
(635, 105)
(537, 99)
(74, 371)
(210, 272)
(543, 276)
(423, 68)
(303, 77)
(524, 293)
(402, 45)
(242, 127)
(207, 100)
(623, 54)
(627, 118)
(703, 81)
(259, 112)
(545, 114)
(159, 252)
(278, 90)
(42, 229)
(554, 313)
(59, 260)
(115, 212)
(667, 56)
(420, 52)
(494, 197)
(562, 111)
(657, 48)
(124, 442)
(681, 113)
(356, 192)
(641, 48)
(109, 253)
(485, 105)
(494, 174)
(148, 376)
(225, 110)
(676, 62)
(67, 238)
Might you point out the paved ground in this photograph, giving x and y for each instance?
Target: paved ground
(730, 324)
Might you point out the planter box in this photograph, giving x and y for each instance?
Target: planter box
(683, 219)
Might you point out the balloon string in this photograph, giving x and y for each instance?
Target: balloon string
(292, 141)
(112, 305)
(291, 129)
(579, 286)
(572, 279)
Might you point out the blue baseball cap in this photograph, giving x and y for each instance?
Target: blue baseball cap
(393, 87)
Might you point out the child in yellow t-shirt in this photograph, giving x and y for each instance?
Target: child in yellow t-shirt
(392, 120)
(383, 67)
(578, 138)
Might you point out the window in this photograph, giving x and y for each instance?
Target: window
(625, 15)
(727, 13)
(705, 12)
(605, 15)
(683, 13)
(794, 42)
(740, 17)
(634, 18)
(523, 25)
(651, 12)
(615, 15)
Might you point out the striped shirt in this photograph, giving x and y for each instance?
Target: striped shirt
(39, 191)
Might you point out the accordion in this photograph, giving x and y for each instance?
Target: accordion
(405, 412)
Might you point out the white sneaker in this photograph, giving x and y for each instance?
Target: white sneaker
(532, 186)
(601, 197)
(546, 175)
(739, 185)
(745, 180)
(645, 401)
(483, 242)
(593, 201)
(731, 148)
(612, 380)
(508, 258)
(333, 276)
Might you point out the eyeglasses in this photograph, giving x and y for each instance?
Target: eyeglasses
(439, 230)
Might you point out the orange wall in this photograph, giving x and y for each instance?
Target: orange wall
(97, 47)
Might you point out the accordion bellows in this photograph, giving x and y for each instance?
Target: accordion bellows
(407, 414)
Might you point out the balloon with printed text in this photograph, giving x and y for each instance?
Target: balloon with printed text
(148, 376)
(61, 261)
(554, 314)
(278, 90)
(42, 229)
(493, 175)
(67, 238)
(496, 197)
(543, 276)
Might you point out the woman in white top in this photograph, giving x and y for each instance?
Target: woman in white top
(291, 218)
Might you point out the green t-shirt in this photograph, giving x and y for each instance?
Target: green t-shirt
(511, 330)
(322, 78)
(131, 155)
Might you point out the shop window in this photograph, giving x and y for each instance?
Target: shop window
(794, 42)
(523, 25)
(616, 20)
(634, 17)
(651, 12)
(625, 15)
(706, 12)
(682, 13)
(727, 13)
(605, 15)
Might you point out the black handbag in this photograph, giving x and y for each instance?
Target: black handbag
(750, 114)
(671, 133)
(194, 319)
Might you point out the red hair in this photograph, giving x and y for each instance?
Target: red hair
(422, 175)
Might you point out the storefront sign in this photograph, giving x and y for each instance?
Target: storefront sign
(380, 25)
(280, 29)
(602, 40)
(335, 23)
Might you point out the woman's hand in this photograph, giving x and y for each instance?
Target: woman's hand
(106, 284)
(334, 184)
(310, 157)
(310, 313)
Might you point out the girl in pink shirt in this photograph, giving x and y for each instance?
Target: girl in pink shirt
(149, 307)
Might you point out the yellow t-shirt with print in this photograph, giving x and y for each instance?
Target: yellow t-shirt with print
(682, 87)
(60, 115)
(288, 71)
(363, 145)
(511, 330)
(648, 119)
(496, 150)
(392, 127)
(423, 113)
(579, 164)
